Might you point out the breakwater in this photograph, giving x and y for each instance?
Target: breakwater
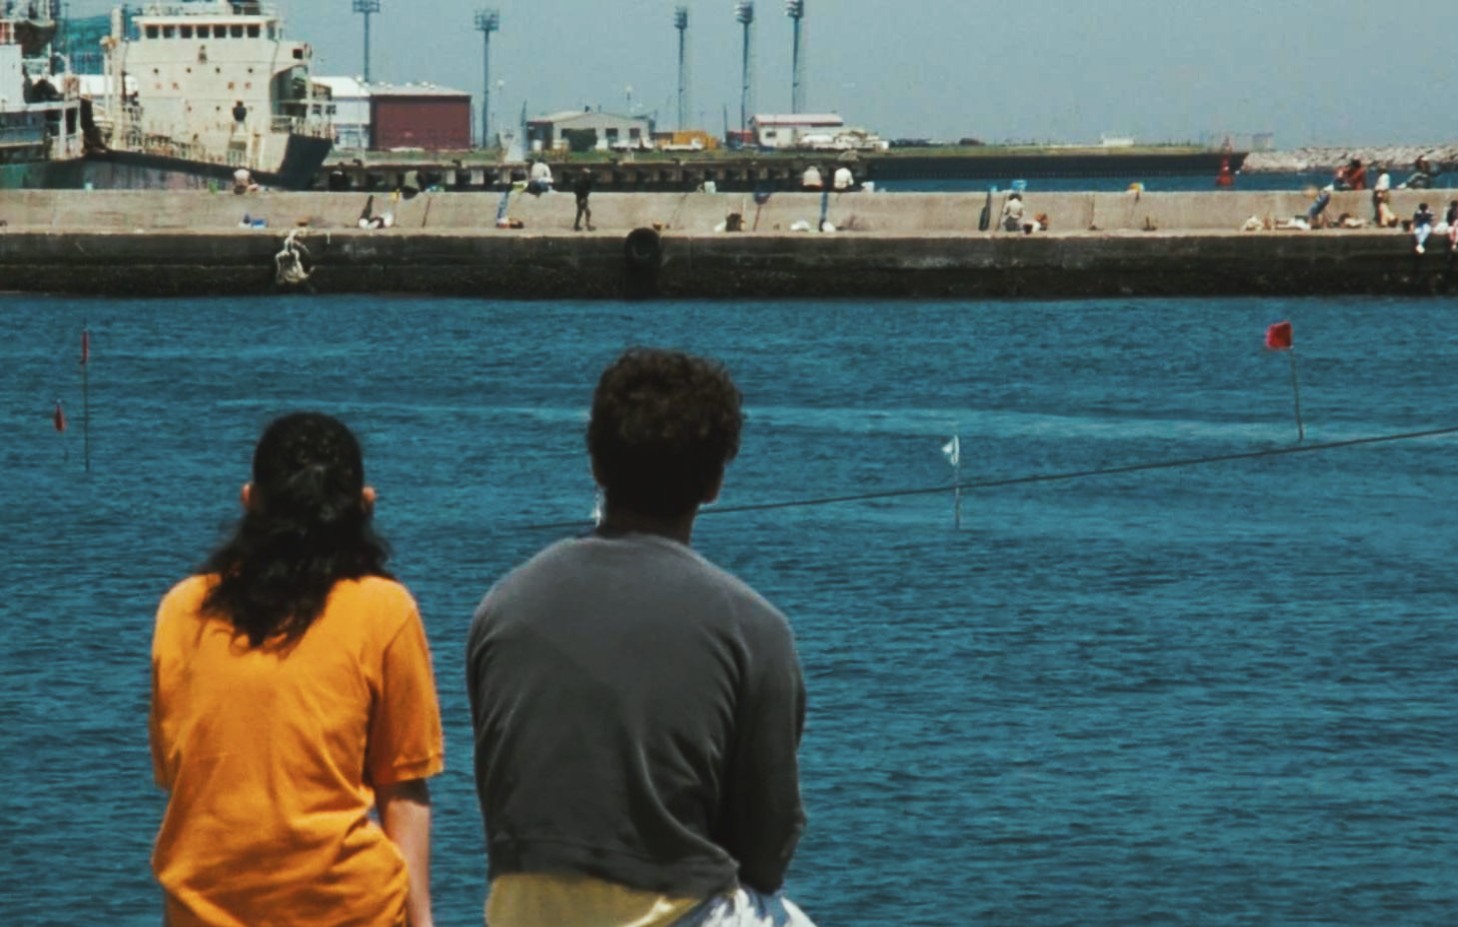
(1399, 159)
(889, 245)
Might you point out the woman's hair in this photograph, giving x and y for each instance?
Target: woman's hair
(306, 527)
(664, 424)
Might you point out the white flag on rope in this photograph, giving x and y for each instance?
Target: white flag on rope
(953, 450)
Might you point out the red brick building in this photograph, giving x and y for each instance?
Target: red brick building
(419, 116)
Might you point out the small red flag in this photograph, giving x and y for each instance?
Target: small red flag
(1278, 337)
(58, 417)
(85, 346)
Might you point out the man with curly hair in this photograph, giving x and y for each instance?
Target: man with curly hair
(637, 710)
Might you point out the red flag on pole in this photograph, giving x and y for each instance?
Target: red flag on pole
(85, 346)
(1278, 337)
(58, 417)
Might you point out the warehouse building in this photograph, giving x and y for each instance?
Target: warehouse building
(383, 117)
(589, 130)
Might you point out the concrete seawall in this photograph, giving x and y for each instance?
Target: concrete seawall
(888, 245)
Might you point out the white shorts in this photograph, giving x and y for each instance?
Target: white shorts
(746, 908)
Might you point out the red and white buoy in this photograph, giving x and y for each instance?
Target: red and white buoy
(1226, 177)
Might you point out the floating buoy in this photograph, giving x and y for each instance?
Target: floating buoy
(1226, 177)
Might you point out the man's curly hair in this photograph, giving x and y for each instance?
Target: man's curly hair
(664, 425)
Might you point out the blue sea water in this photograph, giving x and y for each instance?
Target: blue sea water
(1210, 695)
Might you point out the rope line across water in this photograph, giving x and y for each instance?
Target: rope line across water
(1046, 477)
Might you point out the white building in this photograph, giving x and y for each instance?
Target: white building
(606, 130)
(790, 131)
(348, 107)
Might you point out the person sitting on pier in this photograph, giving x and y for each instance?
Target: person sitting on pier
(368, 219)
(1356, 175)
(811, 179)
(243, 182)
(540, 178)
(1012, 213)
(1422, 227)
(1386, 218)
(1451, 218)
(1318, 205)
(1422, 176)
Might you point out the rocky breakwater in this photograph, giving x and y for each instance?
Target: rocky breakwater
(1397, 158)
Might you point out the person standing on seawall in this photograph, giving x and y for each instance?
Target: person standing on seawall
(582, 189)
(292, 693)
(637, 710)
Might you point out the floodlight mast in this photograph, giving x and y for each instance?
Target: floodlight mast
(368, 8)
(680, 22)
(744, 13)
(795, 9)
(487, 22)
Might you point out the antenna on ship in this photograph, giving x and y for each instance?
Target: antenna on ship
(367, 7)
(680, 22)
(795, 9)
(744, 13)
(487, 22)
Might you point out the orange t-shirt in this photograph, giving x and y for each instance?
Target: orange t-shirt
(271, 757)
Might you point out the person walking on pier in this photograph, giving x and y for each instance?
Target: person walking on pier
(582, 189)
(294, 719)
(637, 709)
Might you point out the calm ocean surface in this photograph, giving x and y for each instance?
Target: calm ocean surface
(1213, 695)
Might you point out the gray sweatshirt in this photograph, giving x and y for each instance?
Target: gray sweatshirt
(637, 712)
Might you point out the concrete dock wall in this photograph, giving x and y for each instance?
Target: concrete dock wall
(902, 245)
(884, 213)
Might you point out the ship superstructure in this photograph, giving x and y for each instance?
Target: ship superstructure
(214, 82)
(40, 107)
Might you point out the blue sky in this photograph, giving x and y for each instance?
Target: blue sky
(1331, 72)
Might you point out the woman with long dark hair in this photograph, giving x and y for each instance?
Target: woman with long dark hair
(292, 695)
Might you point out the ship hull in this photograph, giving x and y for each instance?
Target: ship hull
(131, 170)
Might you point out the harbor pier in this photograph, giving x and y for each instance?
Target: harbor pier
(680, 246)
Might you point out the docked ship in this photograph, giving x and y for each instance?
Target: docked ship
(41, 136)
(193, 92)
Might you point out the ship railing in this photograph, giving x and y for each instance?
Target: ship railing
(317, 128)
(216, 7)
(168, 146)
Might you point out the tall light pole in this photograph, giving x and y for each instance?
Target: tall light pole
(795, 9)
(680, 22)
(487, 22)
(367, 7)
(744, 13)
